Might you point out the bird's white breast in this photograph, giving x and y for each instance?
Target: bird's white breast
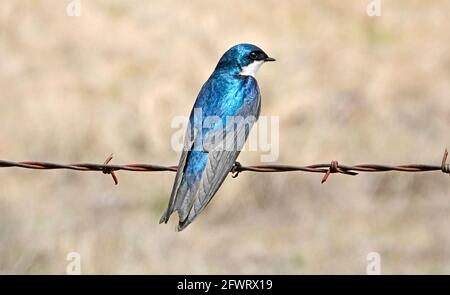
(251, 69)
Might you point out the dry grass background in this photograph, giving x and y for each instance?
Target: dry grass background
(346, 87)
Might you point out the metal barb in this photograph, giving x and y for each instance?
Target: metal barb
(332, 169)
(445, 167)
(109, 170)
(335, 168)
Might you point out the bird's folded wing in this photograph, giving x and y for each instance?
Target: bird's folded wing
(188, 144)
(221, 158)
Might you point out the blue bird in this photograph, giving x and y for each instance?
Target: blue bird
(226, 108)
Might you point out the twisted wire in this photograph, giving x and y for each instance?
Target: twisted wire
(326, 169)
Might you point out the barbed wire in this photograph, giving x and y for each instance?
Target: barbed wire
(326, 169)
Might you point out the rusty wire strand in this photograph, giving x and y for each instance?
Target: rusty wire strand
(326, 169)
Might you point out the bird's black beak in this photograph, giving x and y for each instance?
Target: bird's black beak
(269, 59)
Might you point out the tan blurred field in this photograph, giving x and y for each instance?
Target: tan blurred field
(346, 87)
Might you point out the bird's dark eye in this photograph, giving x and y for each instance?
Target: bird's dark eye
(253, 55)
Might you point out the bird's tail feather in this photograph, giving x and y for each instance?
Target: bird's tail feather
(165, 217)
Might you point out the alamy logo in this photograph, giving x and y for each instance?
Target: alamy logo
(230, 133)
(374, 8)
(74, 8)
(74, 266)
(374, 266)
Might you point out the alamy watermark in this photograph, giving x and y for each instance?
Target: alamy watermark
(74, 8)
(228, 133)
(74, 265)
(374, 8)
(374, 265)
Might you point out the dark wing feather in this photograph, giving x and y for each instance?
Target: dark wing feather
(189, 142)
(220, 162)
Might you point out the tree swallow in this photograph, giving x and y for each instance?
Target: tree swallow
(226, 108)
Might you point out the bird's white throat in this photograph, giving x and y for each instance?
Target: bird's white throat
(251, 69)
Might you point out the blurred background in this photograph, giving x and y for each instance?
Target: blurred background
(346, 87)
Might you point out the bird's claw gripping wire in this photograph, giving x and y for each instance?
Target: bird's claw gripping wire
(236, 169)
(445, 167)
(107, 170)
(334, 168)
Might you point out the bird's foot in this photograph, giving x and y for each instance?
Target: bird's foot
(236, 169)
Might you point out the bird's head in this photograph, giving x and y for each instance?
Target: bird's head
(243, 59)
